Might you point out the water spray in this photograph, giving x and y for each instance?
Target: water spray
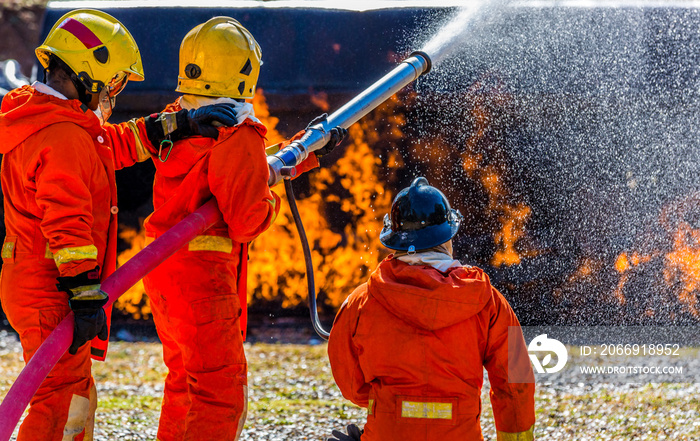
(319, 134)
(441, 45)
(452, 35)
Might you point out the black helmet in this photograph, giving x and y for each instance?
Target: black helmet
(420, 218)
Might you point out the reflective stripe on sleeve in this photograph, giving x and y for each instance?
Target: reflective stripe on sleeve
(76, 253)
(273, 202)
(142, 152)
(416, 409)
(271, 150)
(88, 292)
(211, 243)
(527, 435)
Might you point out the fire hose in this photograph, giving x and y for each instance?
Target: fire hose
(315, 320)
(281, 165)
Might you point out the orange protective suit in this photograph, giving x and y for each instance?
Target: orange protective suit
(410, 345)
(198, 295)
(61, 219)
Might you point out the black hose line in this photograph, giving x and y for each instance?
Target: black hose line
(315, 320)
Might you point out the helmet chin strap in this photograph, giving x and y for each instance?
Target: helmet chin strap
(83, 95)
(444, 248)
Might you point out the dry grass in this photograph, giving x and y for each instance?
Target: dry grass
(292, 396)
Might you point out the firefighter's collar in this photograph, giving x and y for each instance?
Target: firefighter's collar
(47, 90)
(244, 110)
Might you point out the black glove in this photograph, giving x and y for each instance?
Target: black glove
(174, 126)
(354, 434)
(202, 121)
(337, 136)
(86, 299)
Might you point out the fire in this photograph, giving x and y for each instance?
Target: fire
(346, 200)
(624, 263)
(683, 267)
(512, 216)
(678, 261)
(320, 100)
(513, 220)
(342, 256)
(134, 301)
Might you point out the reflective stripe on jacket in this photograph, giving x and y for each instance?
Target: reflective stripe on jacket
(411, 344)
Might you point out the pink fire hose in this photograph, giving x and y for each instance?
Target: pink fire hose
(126, 276)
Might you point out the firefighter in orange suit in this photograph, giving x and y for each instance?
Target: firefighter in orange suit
(198, 295)
(410, 345)
(61, 209)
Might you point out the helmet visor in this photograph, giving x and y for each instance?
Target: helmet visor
(108, 95)
(116, 84)
(105, 106)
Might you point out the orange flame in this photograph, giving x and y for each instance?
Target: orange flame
(513, 229)
(624, 265)
(342, 259)
(681, 261)
(134, 301)
(320, 100)
(356, 188)
(683, 265)
(513, 217)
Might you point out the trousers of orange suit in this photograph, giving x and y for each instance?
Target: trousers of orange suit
(34, 307)
(197, 314)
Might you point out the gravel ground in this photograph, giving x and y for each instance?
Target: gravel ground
(292, 396)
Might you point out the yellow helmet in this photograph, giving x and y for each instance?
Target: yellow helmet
(95, 45)
(219, 58)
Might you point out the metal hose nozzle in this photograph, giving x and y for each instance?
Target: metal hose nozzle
(318, 135)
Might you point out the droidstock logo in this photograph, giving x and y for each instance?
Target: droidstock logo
(542, 344)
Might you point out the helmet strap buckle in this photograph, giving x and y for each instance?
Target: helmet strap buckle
(84, 95)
